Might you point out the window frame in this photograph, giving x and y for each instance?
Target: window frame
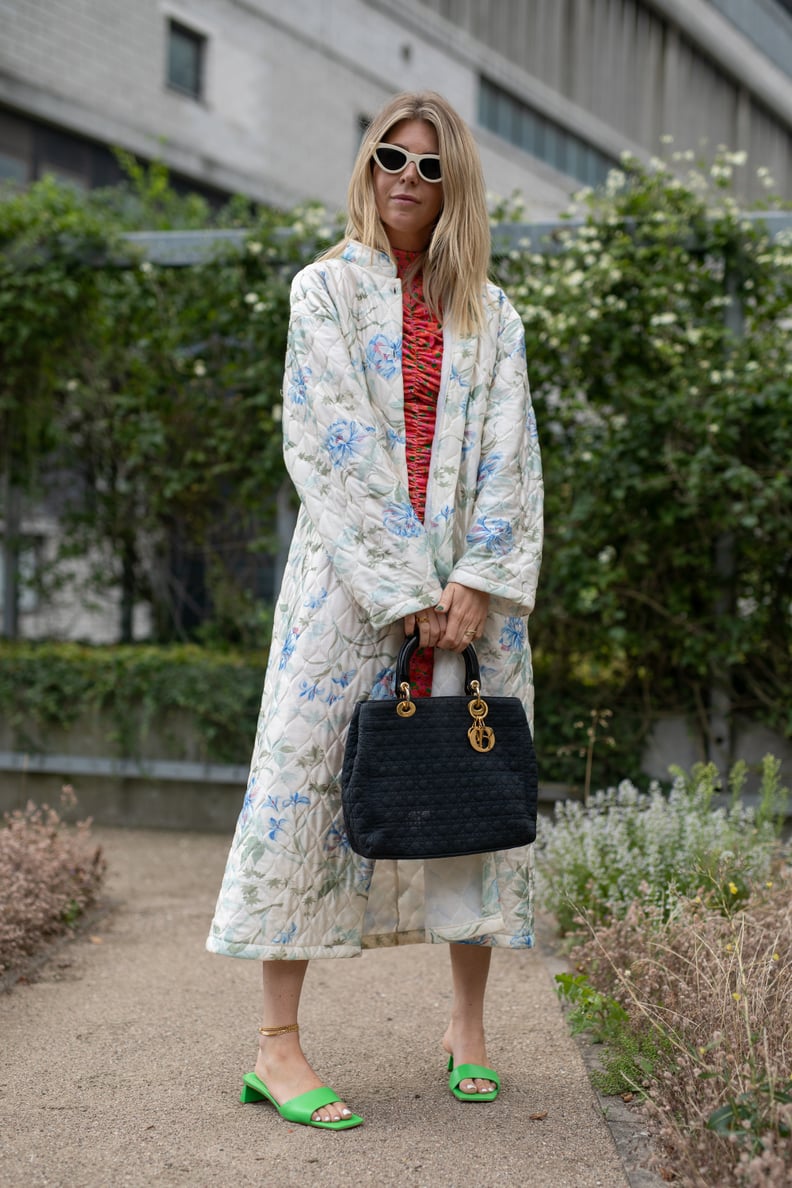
(177, 29)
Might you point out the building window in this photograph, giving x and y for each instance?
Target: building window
(533, 132)
(186, 52)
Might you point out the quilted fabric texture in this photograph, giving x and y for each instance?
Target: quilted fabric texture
(359, 561)
(414, 787)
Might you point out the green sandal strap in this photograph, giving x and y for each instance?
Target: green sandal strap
(472, 1072)
(300, 1108)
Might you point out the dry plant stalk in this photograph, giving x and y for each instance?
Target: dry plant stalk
(719, 987)
(50, 873)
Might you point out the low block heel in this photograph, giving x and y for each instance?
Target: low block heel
(249, 1094)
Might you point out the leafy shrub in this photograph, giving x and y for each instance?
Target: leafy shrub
(659, 356)
(655, 848)
(50, 874)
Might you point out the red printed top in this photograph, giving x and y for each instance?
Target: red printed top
(422, 361)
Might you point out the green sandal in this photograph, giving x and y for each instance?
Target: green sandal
(464, 1072)
(297, 1109)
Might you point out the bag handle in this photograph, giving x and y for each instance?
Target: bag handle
(408, 649)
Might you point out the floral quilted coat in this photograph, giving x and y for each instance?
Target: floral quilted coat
(360, 560)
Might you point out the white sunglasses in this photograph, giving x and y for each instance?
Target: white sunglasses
(393, 159)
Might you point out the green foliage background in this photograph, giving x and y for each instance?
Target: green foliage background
(656, 324)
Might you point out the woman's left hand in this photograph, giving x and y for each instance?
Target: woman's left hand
(465, 613)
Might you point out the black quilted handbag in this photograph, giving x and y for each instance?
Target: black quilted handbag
(438, 776)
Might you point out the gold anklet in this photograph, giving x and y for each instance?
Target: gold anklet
(279, 1030)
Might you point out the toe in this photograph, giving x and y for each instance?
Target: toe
(335, 1112)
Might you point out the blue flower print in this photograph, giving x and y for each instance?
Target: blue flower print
(530, 424)
(488, 466)
(341, 682)
(314, 601)
(443, 516)
(471, 437)
(384, 355)
(384, 685)
(297, 390)
(395, 439)
(344, 439)
(272, 803)
(287, 935)
(495, 534)
(310, 691)
(522, 940)
(287, 650)
(247, 805)
(295, 799)
(335, 839)
(512, 636)
(276, 827)
(400, 520)
(456, 378)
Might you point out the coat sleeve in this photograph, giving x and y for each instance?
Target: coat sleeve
(503, 543)
(335, 449)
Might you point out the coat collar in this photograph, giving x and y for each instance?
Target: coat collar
(368, 257)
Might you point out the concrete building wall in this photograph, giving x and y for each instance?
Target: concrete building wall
(285, 88)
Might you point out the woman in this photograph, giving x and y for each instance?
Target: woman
(409, 435)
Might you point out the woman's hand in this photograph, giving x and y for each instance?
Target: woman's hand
(465, 611)
(431, 626)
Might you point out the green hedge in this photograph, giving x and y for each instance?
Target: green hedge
(141, 687)
(53, 684)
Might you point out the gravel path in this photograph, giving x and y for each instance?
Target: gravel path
(121, 1063)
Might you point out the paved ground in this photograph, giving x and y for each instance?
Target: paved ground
(121, 1064)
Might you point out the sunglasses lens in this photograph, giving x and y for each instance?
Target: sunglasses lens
(429, 169)
(392, 160)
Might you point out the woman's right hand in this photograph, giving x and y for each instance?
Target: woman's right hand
(431, 626)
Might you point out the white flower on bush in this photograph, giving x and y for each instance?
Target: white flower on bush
(616, 181)
(663, 319)
(199, 367)
(652, 846)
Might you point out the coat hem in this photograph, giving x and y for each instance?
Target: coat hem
(378, 941)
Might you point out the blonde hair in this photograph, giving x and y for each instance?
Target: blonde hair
(456, 259)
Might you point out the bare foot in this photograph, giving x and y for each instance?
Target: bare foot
(467, 1046)
(282, 1066)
